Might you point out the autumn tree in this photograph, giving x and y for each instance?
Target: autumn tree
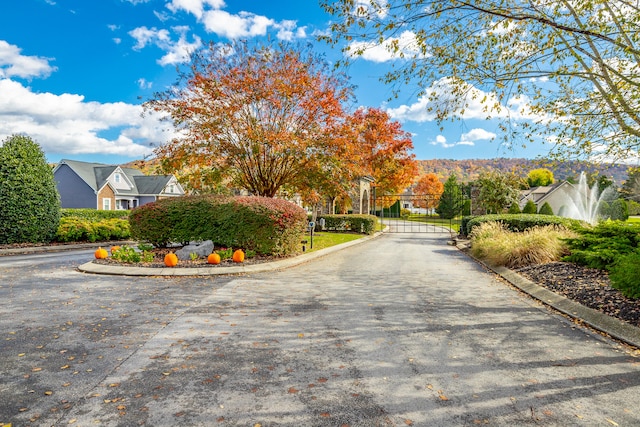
(261, 117)
(498, 190)
(540, 177)
(429, 188)
(568, 68)
(382, 149)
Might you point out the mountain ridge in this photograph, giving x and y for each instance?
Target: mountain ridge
(469, 169)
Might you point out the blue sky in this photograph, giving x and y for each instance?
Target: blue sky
(74, 73)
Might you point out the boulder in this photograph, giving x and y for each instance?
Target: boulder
(202, 249)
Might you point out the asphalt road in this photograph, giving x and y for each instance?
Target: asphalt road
(400, 330)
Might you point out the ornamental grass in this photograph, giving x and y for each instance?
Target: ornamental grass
(494, 244)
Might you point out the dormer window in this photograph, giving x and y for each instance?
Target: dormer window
(116, 178)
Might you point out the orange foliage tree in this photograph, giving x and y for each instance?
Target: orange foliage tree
(429, 188)
(262, 117)
(381, 149)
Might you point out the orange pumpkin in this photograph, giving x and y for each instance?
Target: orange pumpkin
(238, 256)
(170, 259)
(101, 253)
(213, 258)
(114, 249)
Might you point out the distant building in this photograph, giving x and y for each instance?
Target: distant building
(110, 187)
(557, 195)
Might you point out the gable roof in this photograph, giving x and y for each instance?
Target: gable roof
(96, 175)
(539, 194)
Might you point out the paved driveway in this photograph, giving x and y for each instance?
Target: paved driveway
(400, 330)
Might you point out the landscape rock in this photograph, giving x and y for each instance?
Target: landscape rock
(202, 249)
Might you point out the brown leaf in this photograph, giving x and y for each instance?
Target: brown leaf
(408, 422)
(325, 414)
(293, 390)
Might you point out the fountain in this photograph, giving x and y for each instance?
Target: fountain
(583, 202)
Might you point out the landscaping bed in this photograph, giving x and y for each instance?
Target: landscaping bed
(587, 286)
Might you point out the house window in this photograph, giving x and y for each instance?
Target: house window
(106, 204)
(171, 189)
(116, 178)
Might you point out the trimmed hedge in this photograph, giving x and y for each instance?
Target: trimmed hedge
(516, 222)
(265, 225)
(365, 224)
(78, 229)
(93, 214)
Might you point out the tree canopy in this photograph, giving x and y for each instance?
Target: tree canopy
(263, 115)
(567, 69)
(431, 188)
(539, 177)
(498, 190)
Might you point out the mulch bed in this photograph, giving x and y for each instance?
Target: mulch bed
(587, 286)
(159, 254)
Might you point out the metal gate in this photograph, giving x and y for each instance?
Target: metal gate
(413, 213)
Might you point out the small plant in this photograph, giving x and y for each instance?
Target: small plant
(193, 256)
(225, 253)
(127, 254)
(147, 256)
(250, 253)
(145, 247)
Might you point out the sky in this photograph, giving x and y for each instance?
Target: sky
(74, 73)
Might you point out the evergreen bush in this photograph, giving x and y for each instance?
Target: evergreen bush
(514, 208)
(530, 208)
(29, 199)
(546, 209)
(625, 274)
(516, 222)
(601, 246)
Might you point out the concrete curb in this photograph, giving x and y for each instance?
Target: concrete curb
(91, 267)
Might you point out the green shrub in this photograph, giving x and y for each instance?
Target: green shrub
(625, 274)
(514, 208)
(365, 224)
(601, 246)
(29, 200)
(546, 209)
(73, 229)
(265, 225)
(619, 211)
(515, 222)
(494, 243)
(633, 207)
(530, 208)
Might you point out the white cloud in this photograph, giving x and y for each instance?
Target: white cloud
(477, 134)
(389, 50)
(144, 84)
(243, 24)
(176, 51)
(14, 64)
(67, 124)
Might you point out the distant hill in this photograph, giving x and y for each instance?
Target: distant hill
(468, 170)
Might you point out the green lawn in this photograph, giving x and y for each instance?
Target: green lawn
(325, 239)
(635, 219)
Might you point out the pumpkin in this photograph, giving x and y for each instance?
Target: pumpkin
(170, 259)
(114, 249)
(213, 258)
(101, 253)
(238, 256)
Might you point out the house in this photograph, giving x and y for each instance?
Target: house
(557, 195)
(110, 187)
